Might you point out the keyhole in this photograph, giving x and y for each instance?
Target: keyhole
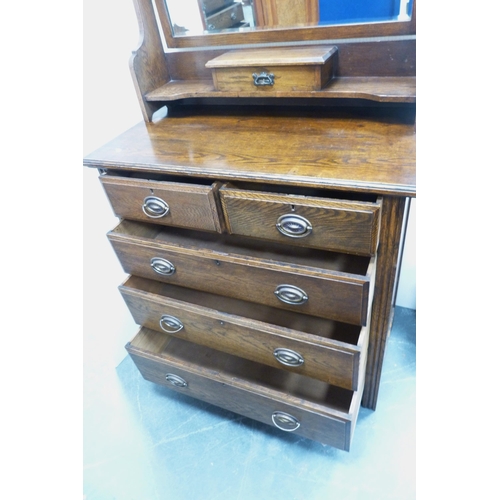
(292, 207)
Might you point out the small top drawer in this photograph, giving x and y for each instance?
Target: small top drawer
(270, 70)
(167, 203)
(309, 221)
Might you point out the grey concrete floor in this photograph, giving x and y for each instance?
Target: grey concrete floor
(145, 442)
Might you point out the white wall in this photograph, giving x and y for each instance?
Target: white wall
(407, 288)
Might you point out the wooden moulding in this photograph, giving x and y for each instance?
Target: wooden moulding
(272, 70)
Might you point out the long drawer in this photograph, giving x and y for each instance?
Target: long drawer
(182, 204)
(315, 347)
(291, 402)
(333, 224)
(309, 281)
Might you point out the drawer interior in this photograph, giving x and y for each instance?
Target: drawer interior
(314, 326)
(212, 363)
(248, 247)
(152, 176)
(304, 191)
(249, 186)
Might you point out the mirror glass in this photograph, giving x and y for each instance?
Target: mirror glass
(198, 17)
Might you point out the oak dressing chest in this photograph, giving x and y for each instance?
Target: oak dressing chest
(262, 232)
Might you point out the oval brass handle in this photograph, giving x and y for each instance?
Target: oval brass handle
(263, 79)
(155, 207)
(175, 380)
(290, 294)
(170, 324)
(288, 357)
(162, 266)
(285, 421)
(293, 226)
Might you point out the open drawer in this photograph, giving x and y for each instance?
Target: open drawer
(315, 347)
(319, 221)
(291, 402)
(304, 280)
(181, 204)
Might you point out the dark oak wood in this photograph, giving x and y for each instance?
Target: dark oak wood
(356, 150)
(285, 33)
(297, 149)
(292, 69)
(392, 59)
(339, 225)
(382, 307)
(147, 63)
(337, 285)
(378, 89)
(331, 351)
(326, 413)
(188, 205)
(158, 70)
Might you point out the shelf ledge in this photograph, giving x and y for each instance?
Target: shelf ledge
(380, 89)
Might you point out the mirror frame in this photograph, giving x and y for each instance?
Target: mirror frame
(285, 34)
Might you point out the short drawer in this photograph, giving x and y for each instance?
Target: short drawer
(309, 281)
(170, 203)
(274, 70)
(291, 402)
(332, 224)
(315, 347)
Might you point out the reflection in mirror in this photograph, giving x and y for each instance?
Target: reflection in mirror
(197, 17)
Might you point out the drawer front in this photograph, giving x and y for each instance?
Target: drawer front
(260, 79)
(343, 226)
(324, 358)
(168, 203)
(334, 428)
(274, 70)
(317, 292)
(226, 18)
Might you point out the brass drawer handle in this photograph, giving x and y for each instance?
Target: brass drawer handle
(290, 294)
(155, 207)
(288, 357)
(285, 422)
(294, 226)
(162, 266)
(175, 380)
(170, 324)
(263, 79)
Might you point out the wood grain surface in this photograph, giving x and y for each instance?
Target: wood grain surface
(337, 285)
(340, 225)
(251, 330)
(356, 150)
(326, 413)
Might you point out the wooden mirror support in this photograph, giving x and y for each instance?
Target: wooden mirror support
(375, 62)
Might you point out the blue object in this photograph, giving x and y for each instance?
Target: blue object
(355, 11)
